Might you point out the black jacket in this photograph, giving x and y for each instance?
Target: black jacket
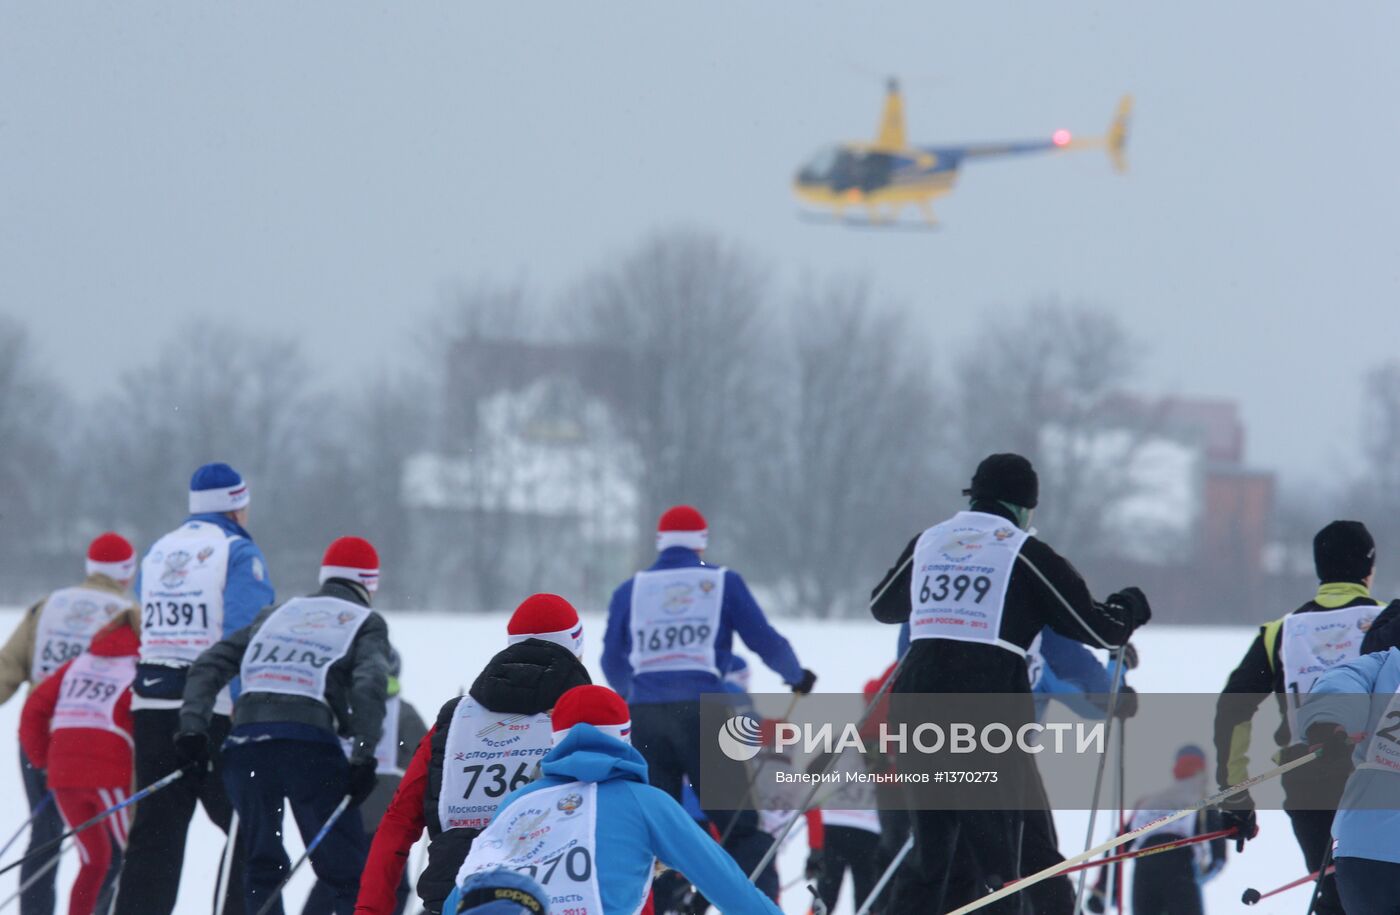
(526, 678)
(943, 665)
(357, 685)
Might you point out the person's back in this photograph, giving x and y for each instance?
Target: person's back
(591, 829)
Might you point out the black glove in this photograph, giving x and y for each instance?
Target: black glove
(362, 780)
(804, 686)
(1131, 606)
(1332, 740)
(1094, 901)
(1127, 705)
(815, 861)
(193, 748)
(1237, 813)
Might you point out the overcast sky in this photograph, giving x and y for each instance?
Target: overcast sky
(331, 168)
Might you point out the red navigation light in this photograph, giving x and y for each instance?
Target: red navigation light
(1060, 137)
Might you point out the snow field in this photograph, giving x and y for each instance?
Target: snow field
(443, 652)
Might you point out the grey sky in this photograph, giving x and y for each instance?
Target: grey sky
(329, 169)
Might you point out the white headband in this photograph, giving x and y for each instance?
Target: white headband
(117, 571)
(691, 540)
(367, 577)
(571, 639)
(210, 501)
(622, 732)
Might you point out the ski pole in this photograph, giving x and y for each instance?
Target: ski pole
(145, 792)
(831, 761)
(39, 808)
(753, 780)
(310, 847)
(1322, 875)
(34, 877)
(1149, 850)
(221, 887)
(887, 876)
(1103, 762)
(1252, 896)
(1055, 870)
(818, 906)
(1122, 870)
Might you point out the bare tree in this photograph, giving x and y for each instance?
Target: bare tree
(1048, 383)
(1376, 494)
(684, 312)
(857, 466)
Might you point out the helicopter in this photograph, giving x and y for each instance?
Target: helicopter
(869, 183)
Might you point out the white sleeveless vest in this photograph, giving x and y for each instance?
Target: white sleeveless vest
(960, 573)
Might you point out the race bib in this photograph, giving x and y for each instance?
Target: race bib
(182, 593)
(1384, 749)
(386, 752)
(293, 649)
(88, 695)
(66, 625)
(961, 569)
(549, 835)
(675, 620)
(486, 756)
(1315, 642)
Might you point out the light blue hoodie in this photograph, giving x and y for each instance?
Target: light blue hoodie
(1367, 824)
(636, 824)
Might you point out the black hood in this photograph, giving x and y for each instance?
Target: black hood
(528, 678)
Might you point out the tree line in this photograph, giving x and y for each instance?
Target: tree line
(817, 426)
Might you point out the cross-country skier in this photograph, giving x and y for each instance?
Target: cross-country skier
(1366, 829)
(51, 632)
(482, 745)
(76, 726)
(199, 583)
(403, 731)
(1322, 633)
(1169, 882)
(312, 670)
(976, 589)
(670, 635)
(591, 829)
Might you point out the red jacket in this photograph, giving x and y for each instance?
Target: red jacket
(401, 826)
(79, 757)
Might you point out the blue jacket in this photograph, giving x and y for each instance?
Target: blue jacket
(637, 823)
(739, 613)
(1363, 827)
(1070, 671)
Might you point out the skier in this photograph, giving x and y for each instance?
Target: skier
(480, 746)
(850, 838)
(312, 670)
(669, 636)
(51, 632)
(976, 589)
(591, 829)
(76, 726)
(403, 731)
(1366, 829)
(1169, 882)
(1322, 633)
(197, 584)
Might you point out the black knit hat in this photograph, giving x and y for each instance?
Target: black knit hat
(1344, 551)
(1005, 478)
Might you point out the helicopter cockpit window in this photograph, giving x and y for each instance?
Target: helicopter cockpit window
(819, 167)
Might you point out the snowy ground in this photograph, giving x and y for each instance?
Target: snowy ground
(442, 654)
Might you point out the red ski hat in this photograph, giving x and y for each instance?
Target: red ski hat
(354, 559)
(548, 617)
(1190, 760)
(111, 554)
(682, 525)
(595, 705)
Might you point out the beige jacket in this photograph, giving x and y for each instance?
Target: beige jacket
(17, 657)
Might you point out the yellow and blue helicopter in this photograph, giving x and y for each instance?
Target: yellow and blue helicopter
(867, 184)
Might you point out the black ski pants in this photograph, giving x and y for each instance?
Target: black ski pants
(848, 848)
(1368, 887)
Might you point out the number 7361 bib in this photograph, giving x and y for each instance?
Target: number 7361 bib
(960, 572)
